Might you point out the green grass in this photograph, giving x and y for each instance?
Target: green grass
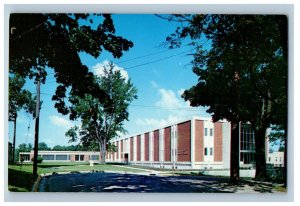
(280, 188)
(20, 181)
(20, 178)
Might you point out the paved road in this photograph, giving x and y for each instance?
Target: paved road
(120, 182)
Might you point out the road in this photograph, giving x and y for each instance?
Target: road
(120, 182)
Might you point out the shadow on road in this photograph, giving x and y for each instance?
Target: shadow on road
(116, 182)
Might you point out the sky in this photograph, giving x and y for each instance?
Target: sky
(160, 75)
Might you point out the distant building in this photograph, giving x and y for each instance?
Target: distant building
(276, 159)
(62, 156)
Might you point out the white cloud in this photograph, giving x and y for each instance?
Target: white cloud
(180, 92)
(173, 109)
(98, 69)
(153, 123)
(168, 99)
(60, 121)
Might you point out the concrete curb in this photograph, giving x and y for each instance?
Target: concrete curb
(36, 184)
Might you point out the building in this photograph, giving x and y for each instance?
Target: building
(276, 159)
(196, 143)
(62, 156)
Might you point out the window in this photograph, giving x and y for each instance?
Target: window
(269, 159)
(61, 157)
(205, 131)
(205, 151)
(211, 132)
(211, 151)
(275, 159)
(94, 157)
(48, 157)
(79, 157)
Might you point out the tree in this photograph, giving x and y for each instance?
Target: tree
(100, 122)
(38, 41)
(242, 74)
(23, 148)
(54, 41)
(19, 99)
(43, 146)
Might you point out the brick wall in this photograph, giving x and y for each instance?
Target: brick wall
(167, 144)
(147, 146)
(122, 155)
(184, 142)
(138, 148)
(218, 141)
(199, 141)
(131, 148)
(156, 145)
(86, 157)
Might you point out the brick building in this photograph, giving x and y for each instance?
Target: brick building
(196, 143)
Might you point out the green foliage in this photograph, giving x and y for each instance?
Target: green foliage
(277, 136)
(43, 146)
(19, 98)
(111, 148)
(101, 121)
(39, 159)
(25, 147)
(77, 147)
(20, 181)
(38, 41)
(243, 73)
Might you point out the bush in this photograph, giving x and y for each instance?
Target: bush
(39, 159)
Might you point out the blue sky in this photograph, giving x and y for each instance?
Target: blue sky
(159, 84)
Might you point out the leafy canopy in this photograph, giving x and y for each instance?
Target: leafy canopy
(100, 121)
(50, 40)
(19, 98)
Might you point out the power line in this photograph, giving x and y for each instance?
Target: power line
(150, 54)
(168, 108)
(161, 59)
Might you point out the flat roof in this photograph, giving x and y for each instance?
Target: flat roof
(167, 125)
(61, 152)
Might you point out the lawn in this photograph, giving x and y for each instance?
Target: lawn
(20, 178)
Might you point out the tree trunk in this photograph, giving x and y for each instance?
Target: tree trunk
(234, 154)
(14, 141)
(36, 133)
(260, 156)
(285, 163)
(103, 151)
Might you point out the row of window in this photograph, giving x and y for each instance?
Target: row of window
(210, 131)
(210, 151)
(67, 157)
(280, 159)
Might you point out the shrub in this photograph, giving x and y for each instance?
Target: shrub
(39, 159)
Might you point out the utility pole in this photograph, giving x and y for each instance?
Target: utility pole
(37, 121)
(14, 143)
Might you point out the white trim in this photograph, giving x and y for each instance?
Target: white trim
(151, 159)
(161, 145)
(142, 147)
(193, 142)
(134, 139)
(168, 125)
